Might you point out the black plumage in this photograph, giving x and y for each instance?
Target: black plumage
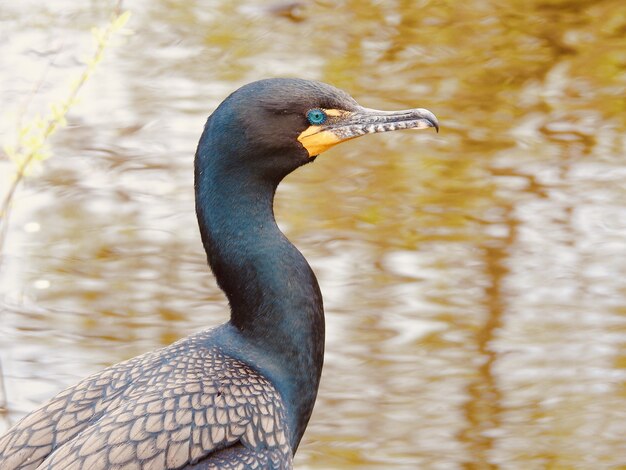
(239, 395)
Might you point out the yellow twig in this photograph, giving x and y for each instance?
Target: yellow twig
(33, 137)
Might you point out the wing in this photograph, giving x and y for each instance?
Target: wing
(178, 406)
(33, 438)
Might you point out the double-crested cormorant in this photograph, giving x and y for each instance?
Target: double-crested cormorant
(239, 395)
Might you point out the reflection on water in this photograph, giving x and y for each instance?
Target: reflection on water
(474, 280)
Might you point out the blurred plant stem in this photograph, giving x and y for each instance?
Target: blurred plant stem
(3, 393)
(31, 144)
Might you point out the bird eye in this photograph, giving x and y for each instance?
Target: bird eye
(316, 116)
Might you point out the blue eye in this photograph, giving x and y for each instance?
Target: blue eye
(316, 116)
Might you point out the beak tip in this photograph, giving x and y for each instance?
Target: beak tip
(432, 120)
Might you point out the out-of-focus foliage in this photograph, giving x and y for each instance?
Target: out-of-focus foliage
(31, 142)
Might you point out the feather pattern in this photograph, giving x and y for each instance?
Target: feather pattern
(168, 409)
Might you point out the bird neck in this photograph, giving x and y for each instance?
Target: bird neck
(275, 301)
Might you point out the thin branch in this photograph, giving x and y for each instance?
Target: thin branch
(32, 140)
(3, 393)
(56, 120)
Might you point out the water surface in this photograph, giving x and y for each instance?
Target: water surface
(474, 280)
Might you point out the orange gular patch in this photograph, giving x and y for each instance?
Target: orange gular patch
(317, 140)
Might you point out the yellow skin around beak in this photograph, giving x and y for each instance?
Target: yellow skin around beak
(317, 140)
(343, 125)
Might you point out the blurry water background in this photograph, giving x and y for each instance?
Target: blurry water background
(474, 280)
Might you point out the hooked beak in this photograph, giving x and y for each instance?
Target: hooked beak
(343, 125)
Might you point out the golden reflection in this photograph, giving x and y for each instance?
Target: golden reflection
(484, 406)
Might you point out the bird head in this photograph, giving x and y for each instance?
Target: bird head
(276, 125)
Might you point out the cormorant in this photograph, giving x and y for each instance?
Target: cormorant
(239, 395)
